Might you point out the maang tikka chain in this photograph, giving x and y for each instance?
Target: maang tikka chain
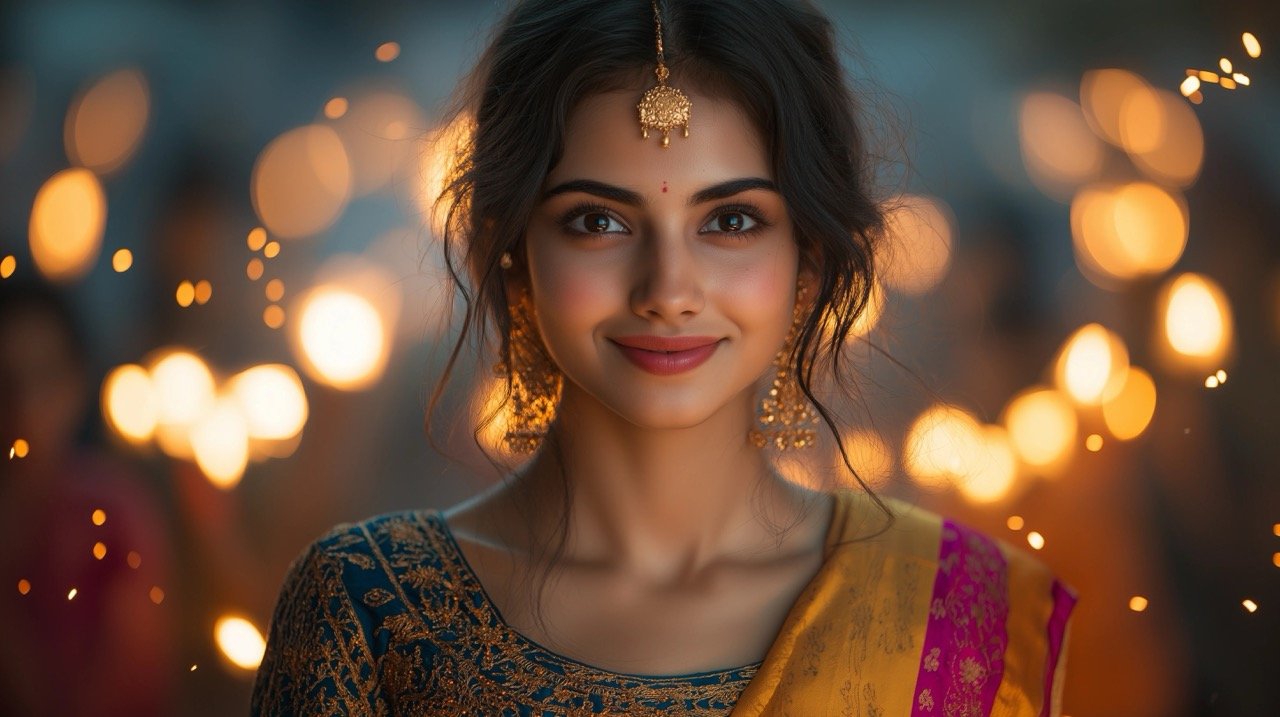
(786, 417)
(663, 108)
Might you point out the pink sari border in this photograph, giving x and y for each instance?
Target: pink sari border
(1063, 602)
(962, 661)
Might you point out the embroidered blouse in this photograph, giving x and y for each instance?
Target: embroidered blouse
(385, 617)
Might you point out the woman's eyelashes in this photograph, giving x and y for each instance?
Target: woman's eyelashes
(731, 220)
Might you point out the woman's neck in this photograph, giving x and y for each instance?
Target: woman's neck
(661, 504)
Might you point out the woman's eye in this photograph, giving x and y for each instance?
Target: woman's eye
(596, 223)
(730, 223)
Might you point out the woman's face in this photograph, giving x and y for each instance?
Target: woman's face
(663, 280)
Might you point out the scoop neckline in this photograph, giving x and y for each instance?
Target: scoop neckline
(468, 574)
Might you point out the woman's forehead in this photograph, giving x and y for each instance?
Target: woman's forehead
(603, 141)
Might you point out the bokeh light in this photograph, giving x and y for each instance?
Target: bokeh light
(1173, 153)
(220, 443)
(342, 336)
(1092, 365)
(1129, 412)
(992, 467)
(272, 400)
(121, 260)
(1042, 427)
(302, 181)
(105, 124)
(130, 403)
(185, 388)
(67, 220)
(1197, 323)
(240, 641)
(1058, 148)
(1127, 231)
(380, 131)
(917, 246)
(870, 456)
(1103, 94)
(439, 155)
(940, 444)
(8, 265)
(1035, 540)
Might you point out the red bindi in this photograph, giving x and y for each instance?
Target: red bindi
(664, 187)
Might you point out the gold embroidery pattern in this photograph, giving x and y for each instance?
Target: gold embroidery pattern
(424, 640)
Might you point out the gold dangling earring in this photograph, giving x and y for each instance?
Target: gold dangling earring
(786, 417)
(533, 379)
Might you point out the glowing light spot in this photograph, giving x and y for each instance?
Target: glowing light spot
(1092, 365)
(275, 290)
(99, 550)
(1227, 83)
(156, 594)
(273, 316)
(1225, 64)
(220, 442)
(121, 260)
(99, 516)
(1207, 76)
(203, 291)
(1275, 559)
(1189, 86)
(918, 247)
(1211, 382)
(992, 467)
(71, 594)
(8, 265)
(185, 389)
(24, 586)
(1015, 522)
(335, 107)
(1241, 78)
(940, 444)
(240, 641)
(130, 403)
(272, 401)
(1035, 540)
(870, 457)
(374, 132)
(105, 125)
(443, 149)
(67, 220)
(256, 239)
(271, 250)
(1042, 427)
(387, 51)
(1197, 320)
(1249, 605)
(1221, 375)
(1129, 412)
(1058, 148)
(1251, 45)
(254, 269)
(193, 668)
(343, 338)
(20, 448)
(134, 559)
(1137, 603)
(1127, 231)
(1275, 530)
(1093, 442)
(1175, 153)
(1103, 94)
(186, 294)
(301, 182)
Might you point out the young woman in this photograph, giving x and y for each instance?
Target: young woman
(662, 220)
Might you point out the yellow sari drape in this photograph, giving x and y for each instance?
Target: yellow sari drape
(854, 642)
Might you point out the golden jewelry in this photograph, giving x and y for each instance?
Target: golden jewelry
(534, 382)
(786, 417)
(663, 108)
(504, 261)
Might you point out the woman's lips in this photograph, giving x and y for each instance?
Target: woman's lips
(666, 356)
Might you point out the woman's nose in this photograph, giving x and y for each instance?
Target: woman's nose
(667, 286)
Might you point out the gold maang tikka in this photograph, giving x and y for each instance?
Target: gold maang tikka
(663, 108)
(786, 417)
(534, 381)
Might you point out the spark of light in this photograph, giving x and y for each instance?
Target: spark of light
(1093, 443)
(67, 221)
(1251, 45)
(254, 269)
(1035, 540)
(1249, 605)
(99, 550)
(203, 292)
(7, 266)
(193, 668)
(1137, 603)
(1189, 86)
(20, 448)
(71, 595)
(1240, 78)
(185, 294)
(99, 517)
(342, 325)
(387, 51)
(156, 594)
(1221, 375)
(256, 239)
(1197, 320)
(1015, 523)
(121, 260)
(335, 107)
(24, 586)
(271, 250)
(1225, 64)
(1211, 381)
(275, 290)
(240, 641)
(273, 316)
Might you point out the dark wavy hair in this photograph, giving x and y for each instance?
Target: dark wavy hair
(778, 60)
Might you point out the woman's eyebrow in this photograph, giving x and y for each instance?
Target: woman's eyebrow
(628, 197)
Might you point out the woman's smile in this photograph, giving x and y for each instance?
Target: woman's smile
(667, 356)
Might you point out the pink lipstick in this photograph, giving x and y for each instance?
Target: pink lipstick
(667, 355)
